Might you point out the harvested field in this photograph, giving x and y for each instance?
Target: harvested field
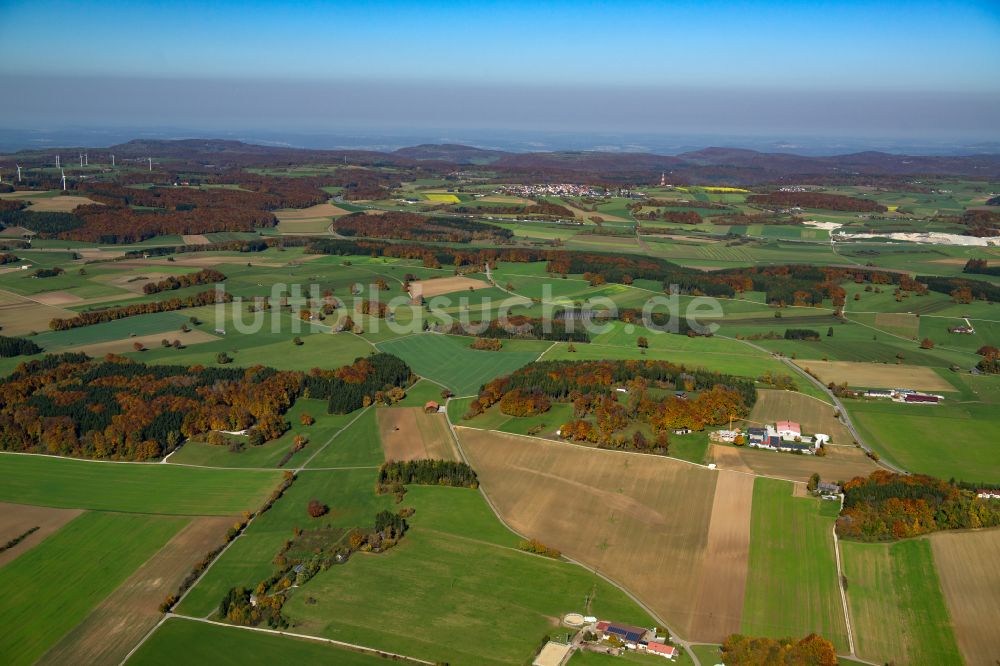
(57, 298)
(319, 210)
(839, 464)
(445, 285)
(814, 415)
(408, 433)
(15, 232)
(195, 239)
(19, 315)
(724, 569)
(56, 204)
(623, 514)
(969, 571)
(151, 341)
(16, 519)
(900, 323)
(877, 375)
(119, 622)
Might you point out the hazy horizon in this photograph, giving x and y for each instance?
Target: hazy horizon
(920, 73)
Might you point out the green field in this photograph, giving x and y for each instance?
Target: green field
(898, 611)
(449, 361)
(181, 641)
(507, 600)
(133, 487)
(792, 582)
(52, 587)
(948, 440)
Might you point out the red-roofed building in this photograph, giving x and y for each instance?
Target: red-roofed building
(921, 397)
(788, 429)
(602, 626)
(667, 651)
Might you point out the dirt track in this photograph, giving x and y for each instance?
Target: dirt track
(644, 521)
(119, 622)
(16, 519)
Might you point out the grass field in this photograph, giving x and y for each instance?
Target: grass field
(181, 641)
(792, 586)
(508, 600)
(946, 440)
(132, 487)
(52, 587)
(448, 360)
(877, 375)
(898, 611)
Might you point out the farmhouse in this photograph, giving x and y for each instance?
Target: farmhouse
(665, 651)
(878, 393)
(825, 488)
(967, 330)
(432, 407)
(988, 494)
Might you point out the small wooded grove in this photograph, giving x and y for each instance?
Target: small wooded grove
(801, 334)
(886, 506)
(813, 650)
(599, 414)
(426, 473)
(17, 347)
(120, 409)
(816, 200)
(122, 311)
(355, 385)
(204, 276)
(412, 226)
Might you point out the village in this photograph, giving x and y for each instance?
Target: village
(606, 637)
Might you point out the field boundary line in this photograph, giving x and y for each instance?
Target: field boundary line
(332, 437)
(840, 587)
(332, 641)
(144, 639)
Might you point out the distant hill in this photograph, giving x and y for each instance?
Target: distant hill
(713, 165)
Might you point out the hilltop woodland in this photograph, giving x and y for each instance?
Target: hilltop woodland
(120, 409)
(410, 226)
(599, 416)
(204, 276)
(813, 650)
(129, 214)
(886, 506)
(782, 284)
(816, 200)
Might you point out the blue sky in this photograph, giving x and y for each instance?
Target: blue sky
(770, 63)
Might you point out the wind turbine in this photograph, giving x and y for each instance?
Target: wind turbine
(63, 179)
(18, 172)
(150, 163)
(86, 159)
(57, 162)
(81, 160)
(112, 160)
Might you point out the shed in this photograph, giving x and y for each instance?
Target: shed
(431, 407)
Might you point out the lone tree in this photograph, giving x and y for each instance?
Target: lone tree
(813, 482)
(317, 508)
(222, 358)
(927, 343)
(642, 342)
(829, 332)
(297, 341)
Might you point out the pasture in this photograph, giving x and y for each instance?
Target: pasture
(449, 361)
(407, 433)
(625, 515)
(948, 440)
(181, 641)
(134, 487)
(52, 587)
(969, 573)
(792, 586)
(509, 599)
(897, 608)
(119, 622)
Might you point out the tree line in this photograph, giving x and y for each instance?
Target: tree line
(17, 347)
(818, 201)
(204, 276)
(122, 311)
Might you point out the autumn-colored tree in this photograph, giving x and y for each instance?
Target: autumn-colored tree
(927, 343)
(306, 419)
(317, 508)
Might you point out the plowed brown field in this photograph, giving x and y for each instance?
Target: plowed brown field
(408, 433)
